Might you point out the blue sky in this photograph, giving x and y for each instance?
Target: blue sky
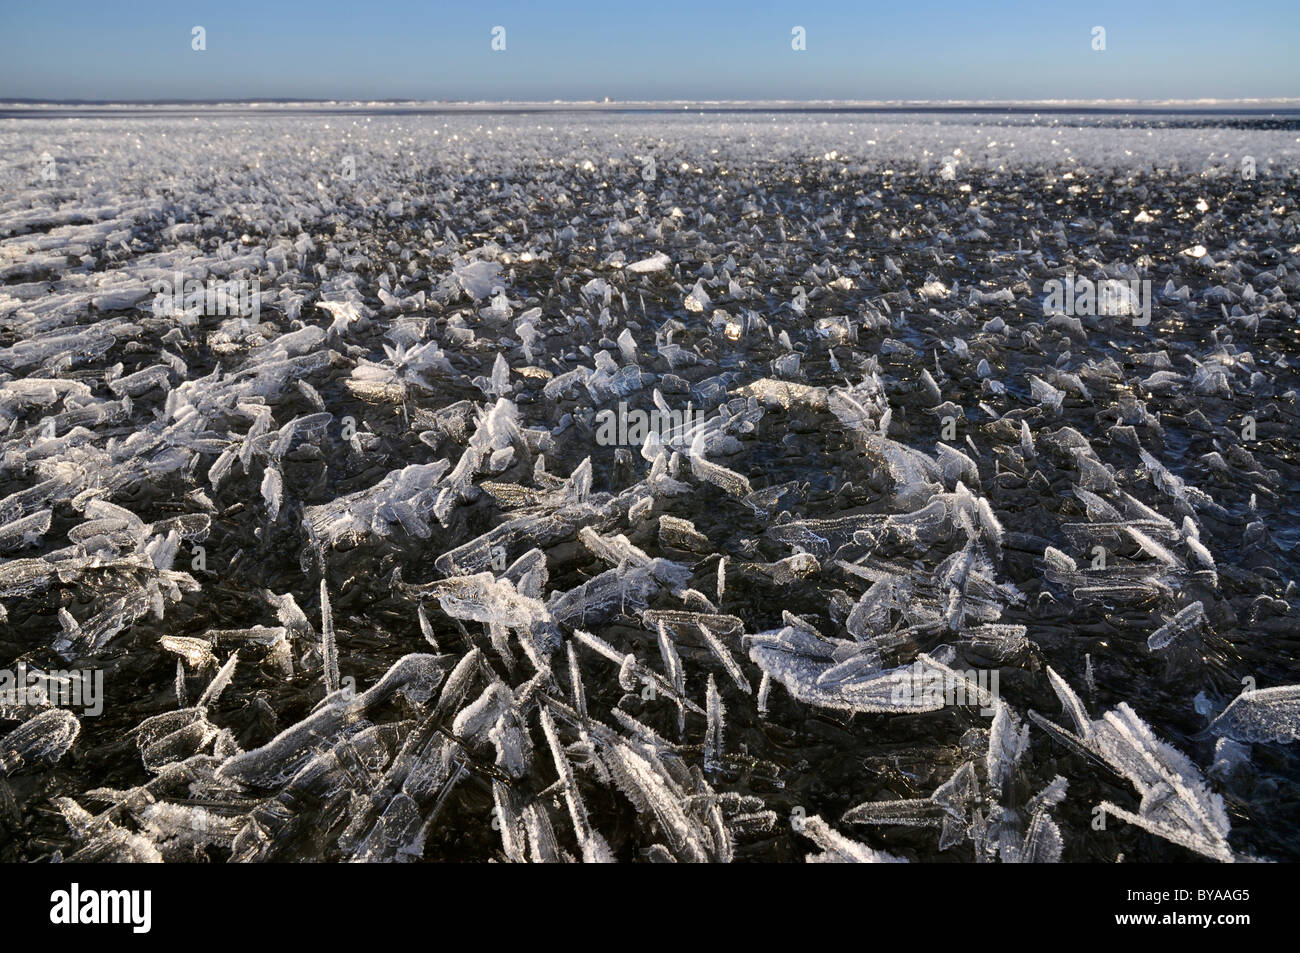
(632, 49)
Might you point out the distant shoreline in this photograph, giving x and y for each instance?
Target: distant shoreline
(31, 108)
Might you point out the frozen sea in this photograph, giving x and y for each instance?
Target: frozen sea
(307, 488)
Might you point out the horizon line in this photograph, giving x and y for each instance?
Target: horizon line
(1285, 101)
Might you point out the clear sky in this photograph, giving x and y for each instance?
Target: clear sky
(661, 49)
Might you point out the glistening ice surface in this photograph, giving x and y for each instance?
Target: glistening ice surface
(648, 487)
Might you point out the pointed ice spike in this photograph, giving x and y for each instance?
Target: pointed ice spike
(219, 682)
(329, 648)
(594, 848)
(838, 849)
(713, 742)
(1072, 705)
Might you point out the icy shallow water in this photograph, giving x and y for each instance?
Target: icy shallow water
(941, 573)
